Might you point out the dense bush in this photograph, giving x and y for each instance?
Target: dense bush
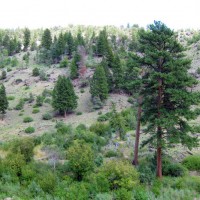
(47, 116)
(24, 146)
(192, 162)
(30, 129)
(20, 105)
(101, 129)
(27, 119)
(192, 183)
(81, 159)
(64, 63)
(35, 110)
(39, 100)
(10, 98)
(120, 174)
(174, 169)
(35, 72)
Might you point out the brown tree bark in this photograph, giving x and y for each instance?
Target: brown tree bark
(137, 132)
(65, 113)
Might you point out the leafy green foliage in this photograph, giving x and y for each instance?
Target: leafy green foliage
(27, 119)
(81, 159)
(192, 162)
(30, 129)
(47, 116)
(35, 72)
(120, 174)
(64, 63)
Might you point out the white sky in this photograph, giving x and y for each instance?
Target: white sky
(47, 13)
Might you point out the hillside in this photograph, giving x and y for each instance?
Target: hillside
(88, 153)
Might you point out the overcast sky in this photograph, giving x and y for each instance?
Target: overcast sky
(47, 13)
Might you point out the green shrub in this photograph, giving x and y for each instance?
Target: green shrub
(3, 75)
(64, 63)
(48, 181)
(174, 169)
(36, 110)
(39, 100)
(27, 119)
(81, 127)
(13, 163)
(14, 62)
(43, 76)
(123, 194)
(198, 70)
(77, 191)
(79, 113)
(192, 162)
(190, 182)
(111, 153)
(20, 105)
(47, 116)
(147, 176)
(10, 98)
(23, 146)
(47, 93)
(131, 100)
(101, 129)
(35, 72)
(9, 69)
(30, 129)
(81, 159)
(103, 118)
(120, 174)
(82, 90)
(140, 194)
(47, 100)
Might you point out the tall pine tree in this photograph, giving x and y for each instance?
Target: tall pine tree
(99, 85)
(117, 73)
(64, 98)
(167, 99)
(27, 38)
(3, 100)
(46, 39)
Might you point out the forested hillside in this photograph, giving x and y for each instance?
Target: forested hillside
(101, 113)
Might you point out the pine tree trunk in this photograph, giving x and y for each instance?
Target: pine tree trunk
(65, 113)
(159, 155)
(137, 133)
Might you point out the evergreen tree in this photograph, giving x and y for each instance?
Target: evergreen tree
(80, 40)
(117, 73)
(64, 98)
(60, 46)
(167, 100)
(101, 43)
(99, 85)
(73, 70)
(3, 100)
(70, 43)
(133, 85)
(108, 74)
(27, 37)
(46, 39)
